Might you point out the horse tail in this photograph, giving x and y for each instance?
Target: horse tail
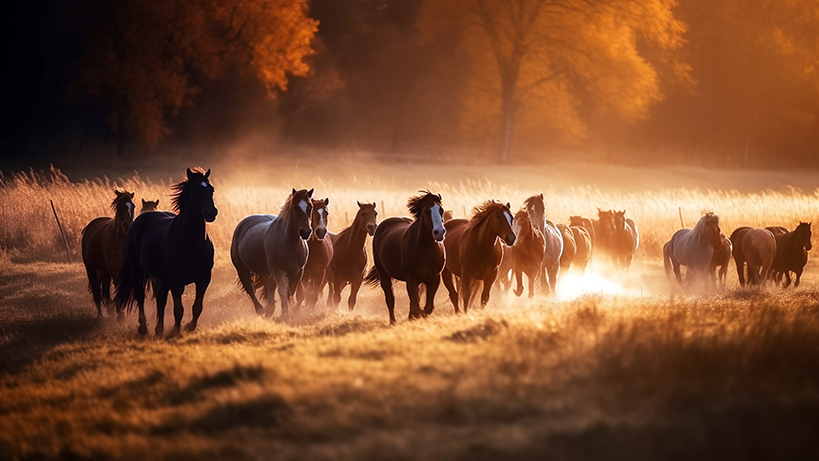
(124, 297)
(373, 277)
(667, 258)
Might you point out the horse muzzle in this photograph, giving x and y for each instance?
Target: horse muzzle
(210, 214)
(321, 232)
(371, 229)
(438, 235)
(305, 233)
(510, 239)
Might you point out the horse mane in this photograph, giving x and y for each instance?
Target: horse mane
(416, 204)
(706, 219)
(535, 200)
(296, 197)
(485, 209)
(180, 190)
(119, 195)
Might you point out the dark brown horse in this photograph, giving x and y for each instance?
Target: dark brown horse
(792, 254)
(527, 252)
(410, 249)
(149, 205)
(173, 250)
(583, 244)
(320, 252)
(474, 251)
(755, 248)
(721, 259)
(624, 240)
(349, 261)
(270, 251)
(552, 237)
(569, 247)
(103, 248)
(604, 231)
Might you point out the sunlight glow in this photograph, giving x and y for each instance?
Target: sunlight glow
(573, 286)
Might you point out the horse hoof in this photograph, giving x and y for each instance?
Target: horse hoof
(159, 330)
(190, 326)
(142, 330)
(175, 333)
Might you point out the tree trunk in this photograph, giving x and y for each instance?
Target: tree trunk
(507, 121)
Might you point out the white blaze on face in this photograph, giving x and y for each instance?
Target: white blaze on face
(303, 206)
(437, 219)
(322, 219)
(508, 218)
(130, 207)
(204, 184)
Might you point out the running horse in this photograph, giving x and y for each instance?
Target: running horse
(474, 251)
(173, 250)
(792, 254)
(410, 249)
(270, 251)
(103, 248)
(624, 239)
(552, 237)
(693, 248)
(721, 259)
(319, 255)
(527, 252)
(756, 249)
(349, 262)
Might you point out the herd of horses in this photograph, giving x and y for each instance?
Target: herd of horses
(292, 253)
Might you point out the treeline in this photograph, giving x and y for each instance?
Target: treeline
(721, 83)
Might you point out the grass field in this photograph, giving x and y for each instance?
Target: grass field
(619, 366)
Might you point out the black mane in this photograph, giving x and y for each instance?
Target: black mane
(417, 204)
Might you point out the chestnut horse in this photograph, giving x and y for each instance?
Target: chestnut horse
(693, 248)
(552, 238)
(172, 250)
(270, 251)
(349, 261)
(721, 259)
(624, 239)
(755, 248)
(792, 254)
(103, 248)
(474, 251)
(583, 245)
(527, 252)
(410, 249)
(569, 247)
(319, 254)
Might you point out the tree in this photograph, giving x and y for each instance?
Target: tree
(536, 63)
(144, 58)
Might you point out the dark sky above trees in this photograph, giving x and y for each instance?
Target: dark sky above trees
(720, 82)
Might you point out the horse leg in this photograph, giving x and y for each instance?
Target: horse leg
(519, 280)
(487, 287)
(677, 274)
(447, 277)
(246, 280)
(553, 271)
(285, 290)
(270, 295)
(300, 294)
(138, 281)
(94, 288)
(429, 302)
(335, 295)
(196, 309)
(389, 296)
(355, 285)
(787, 283)
(740, 271)
(414, 298)
(466, 290)
(798, 277)
(105, 296)
(161, 293)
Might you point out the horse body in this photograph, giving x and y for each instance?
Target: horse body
(736, 251)
(721, 259)
(103, 248)
(624, 239)
(569, 247)
(474, 251)
(173, 250)
(604, 230)
(693, 248)
(527, 252)
(411, 250)
(586, 223)
(270, 251)
(319, 255)
(552, 237)
(758, 252)
(583, 245)
(349, 261)
(792, 254)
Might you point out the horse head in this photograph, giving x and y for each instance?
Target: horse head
(299, 208)
(123, 207)
(576, 221)
(804, 235)
(367, 217)
(427, 208)
(536, 208)
(710, 229)
(619, 220)
(320, 217)
(606, 219)
(149, 205)
(499, 218)
(195, 195)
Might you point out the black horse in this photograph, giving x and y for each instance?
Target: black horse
(792, 254)
(174, 249)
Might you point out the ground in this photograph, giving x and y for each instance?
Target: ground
(617, 366)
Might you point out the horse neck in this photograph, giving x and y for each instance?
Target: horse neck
(193, 228)
(483, 231)
(420, 232)
(526, 230)
(119, 224)
(358, 236)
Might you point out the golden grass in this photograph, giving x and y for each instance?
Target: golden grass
(607, 374)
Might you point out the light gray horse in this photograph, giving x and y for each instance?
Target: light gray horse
(552, 237)
(693, 248)
(270, 251)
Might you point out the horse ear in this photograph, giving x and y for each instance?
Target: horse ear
(541, 195)
(119, 194)
(207, 173)
(439, 197)
(358, 203)
(144, 202)
(373, 204)
(189, 173)
(310, 193)
(326, 201)
(294, 191)
(508, 205)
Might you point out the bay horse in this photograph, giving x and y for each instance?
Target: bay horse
(474, 251)
(103, 248)
(527, 252)
(270, 251)
(721, 259)
(693, 248)
(174, 250)
(625, 239)
(755, 248)
(410, 249)
(583, 247)
(569, 247)
(792, 254)
(149, 205)
(349, 262)
(319, 254)
(552, 237)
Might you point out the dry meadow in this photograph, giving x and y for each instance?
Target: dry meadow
(618, 365)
